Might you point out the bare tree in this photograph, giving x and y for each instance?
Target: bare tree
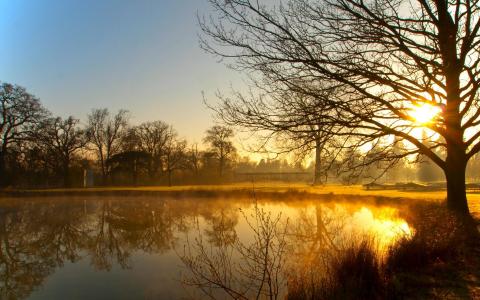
(219, 140)
(385, 58)
(284, 123)
(61, 139)
(174, 154)
(18, 110)
(152, 137)
(194, 159)
(104, 133)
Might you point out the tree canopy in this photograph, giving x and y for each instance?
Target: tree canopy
(385, 60)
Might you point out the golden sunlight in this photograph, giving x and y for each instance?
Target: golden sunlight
(424, 113)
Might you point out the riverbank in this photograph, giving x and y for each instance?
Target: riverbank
(280, 190)
(232, 188)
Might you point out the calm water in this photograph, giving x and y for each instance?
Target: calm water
(122, 248)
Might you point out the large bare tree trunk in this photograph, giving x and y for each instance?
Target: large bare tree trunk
(455, 168)
(456, 160)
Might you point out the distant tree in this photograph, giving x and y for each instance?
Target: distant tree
(285, 122)
(303, 139)
(174, 156)
(350, 168)
(219, 140)
(398, 171)
(194, 159)
(104, 132)
(18, 111)
(129, 162)
(151, 138)
(61, 139)
(209, 165)
(28, 166)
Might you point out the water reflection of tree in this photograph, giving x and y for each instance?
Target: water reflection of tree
(39, 236)
(224, 265)
(257, 270)
(221, 225)
(34, 240)
(316, 238)
(17, 264)
(106, 244)
(59, 236)
(319, 231)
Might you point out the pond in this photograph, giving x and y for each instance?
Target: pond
(132, 248)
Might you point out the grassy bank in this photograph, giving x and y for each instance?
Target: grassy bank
(239, 187)
(261, 187)
(245, 189)
(441, 260)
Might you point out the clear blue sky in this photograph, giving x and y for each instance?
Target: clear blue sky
(141, 55)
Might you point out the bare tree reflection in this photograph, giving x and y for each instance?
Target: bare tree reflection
(316, 237)
(61, 230)
(106, 244)
(221, 226)
(220, 264)
(34, 241)
(241, 254)
(39, 236)
(241, 270)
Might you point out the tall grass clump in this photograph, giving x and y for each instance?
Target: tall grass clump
(354, 272)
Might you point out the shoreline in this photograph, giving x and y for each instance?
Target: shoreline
(280, 191)
(271, 190)
(230, 190)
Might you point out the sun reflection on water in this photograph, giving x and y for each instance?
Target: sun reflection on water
(386, 227)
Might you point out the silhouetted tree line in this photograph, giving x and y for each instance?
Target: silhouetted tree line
(38, 149)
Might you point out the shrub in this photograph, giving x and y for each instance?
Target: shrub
(355, 273)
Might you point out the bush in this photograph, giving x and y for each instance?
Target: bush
(355, 273)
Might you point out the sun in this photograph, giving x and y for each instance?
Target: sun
(424, 113)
